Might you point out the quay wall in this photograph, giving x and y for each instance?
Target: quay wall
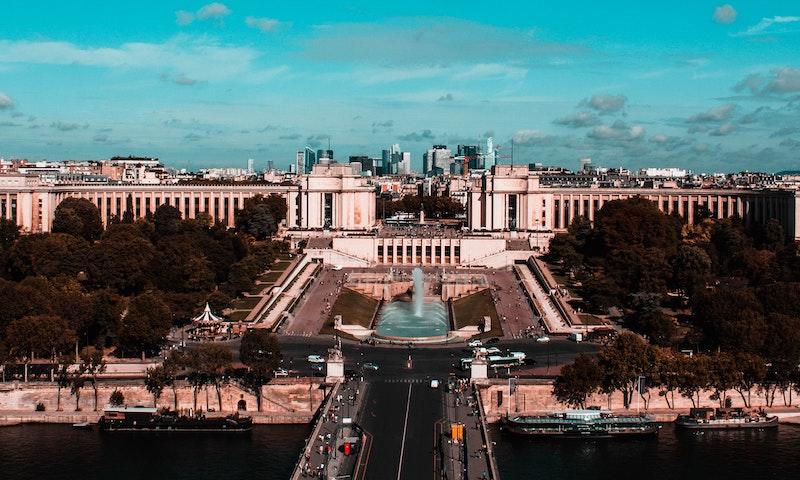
(284, 401)
(538, 399)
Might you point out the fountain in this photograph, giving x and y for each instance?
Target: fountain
(417, 320)
(419, 291)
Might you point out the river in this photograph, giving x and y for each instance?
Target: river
(673, 455)
(43, 452)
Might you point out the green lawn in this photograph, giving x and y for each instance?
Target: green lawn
(270, 277)
(279, 266)
(238, 315)
(245, 303)
(355, 309)
(470, 310)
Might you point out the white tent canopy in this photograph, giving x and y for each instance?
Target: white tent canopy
(207, 318)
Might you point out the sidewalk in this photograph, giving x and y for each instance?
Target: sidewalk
(466, 460)
(326, 457)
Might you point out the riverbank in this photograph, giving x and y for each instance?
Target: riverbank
(283, 401)
(535, 397)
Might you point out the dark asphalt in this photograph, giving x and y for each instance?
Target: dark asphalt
(394, 455)
(427, 361)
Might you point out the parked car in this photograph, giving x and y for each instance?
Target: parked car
(475, 343)
(434, 383)
(371, 366)
(316, 359)
(543, 339)
(281, 372)
(492, 350)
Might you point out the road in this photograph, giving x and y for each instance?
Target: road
(426, 361)
(400, 417)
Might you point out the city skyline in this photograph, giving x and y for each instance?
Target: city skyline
(708, 86)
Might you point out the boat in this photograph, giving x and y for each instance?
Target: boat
(82, 425)
(725, 419)
(589, 423)
(144, 419)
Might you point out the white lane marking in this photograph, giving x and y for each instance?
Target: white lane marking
(405, 426)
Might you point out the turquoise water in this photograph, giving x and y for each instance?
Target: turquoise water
(398, 320)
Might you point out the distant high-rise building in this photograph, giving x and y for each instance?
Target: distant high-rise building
(586, 164)
(309, 160)
(473, 155)
(270, 166)
(250, 163)
(324, 156)
(437, 160)
(490, 156)
(404, 165)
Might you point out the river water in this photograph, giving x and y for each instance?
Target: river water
(43, 452)
(682, 455)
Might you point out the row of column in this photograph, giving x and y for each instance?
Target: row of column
(399, 251)
(750, 207)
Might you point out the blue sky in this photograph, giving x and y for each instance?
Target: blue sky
(708, 86)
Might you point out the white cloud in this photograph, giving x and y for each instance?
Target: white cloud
(182, 17)
(428, 42)
(606, 103)
(784, 80)
(195, 58)
(617, 131)
(766, 25)
(489, 70)
(68, 127)
(213, 10)
(578, 120)
(266, 25)
(725, 14)
(5, 102)
(716, 114)
(531, 138)
(723, 130)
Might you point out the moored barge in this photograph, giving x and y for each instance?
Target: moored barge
(581, 424)
(725, 419)
(144, 419)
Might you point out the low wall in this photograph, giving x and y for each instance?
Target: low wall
(285, 401)
(537, 399)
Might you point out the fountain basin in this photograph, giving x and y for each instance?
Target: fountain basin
(399, 321)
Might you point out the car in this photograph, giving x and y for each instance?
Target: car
(492, 340)
(336, 268)
(543, 339)
(316, 359)
(281, 372)
(316, 367)
(475, 343)
(370, 366)
(434, 383)
(492, 350)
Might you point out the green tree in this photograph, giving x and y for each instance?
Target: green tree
(577, 381)
(622, 224)
(626, 359)
(782, 351)
(48, 255)
(260, 216)
(693, 377)
(9, 233)
(731, 319)
(92, 365)
(721, 375)
(63, 376)
(145, 325)
(213, 360)
(167, 220)
(156, 380)
(261, 352)
(123, 262)
(39, 335)
(117, 398)
(750, 370)
(78, 217)
(691, 268)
